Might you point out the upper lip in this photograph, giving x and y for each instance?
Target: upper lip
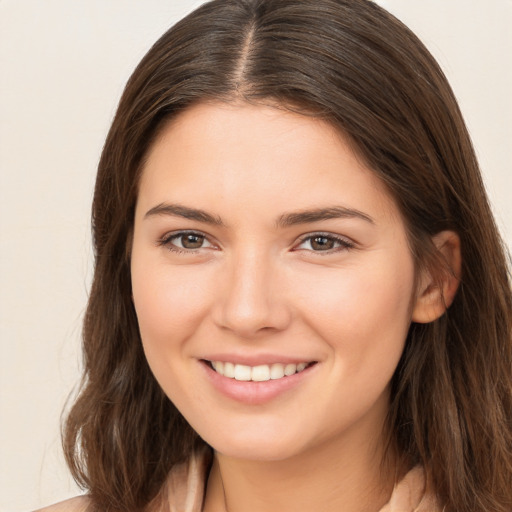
(257, 359)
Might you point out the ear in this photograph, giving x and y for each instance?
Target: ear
(436, 292)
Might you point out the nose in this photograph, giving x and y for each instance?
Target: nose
(252, 299)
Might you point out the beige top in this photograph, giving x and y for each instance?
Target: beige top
(186, 486)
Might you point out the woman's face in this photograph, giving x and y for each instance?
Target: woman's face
(264, 247)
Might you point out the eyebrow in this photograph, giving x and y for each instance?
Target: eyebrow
(317, 214)
(177, 210)
(285, 220)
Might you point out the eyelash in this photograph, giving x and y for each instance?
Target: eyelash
(343, 243)
(167, 239)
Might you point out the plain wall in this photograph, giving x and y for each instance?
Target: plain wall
(63, 65)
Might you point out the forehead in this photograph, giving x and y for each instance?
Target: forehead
(220, 154)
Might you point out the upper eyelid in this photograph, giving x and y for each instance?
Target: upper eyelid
(168, 236)
(326, 234)
(177, 232)
(321, 233)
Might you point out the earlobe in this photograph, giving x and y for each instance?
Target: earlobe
(436, 290)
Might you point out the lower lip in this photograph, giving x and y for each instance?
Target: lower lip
(255, 393)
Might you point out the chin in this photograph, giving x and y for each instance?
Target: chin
(258, 444)
(260, 452)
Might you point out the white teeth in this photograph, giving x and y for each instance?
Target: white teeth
(277, 371)
(219, 366)
(229, 370)
(259, 373)
(290, 369)
(242, 372)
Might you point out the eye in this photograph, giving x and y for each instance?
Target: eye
(185, 241)
(324, 242)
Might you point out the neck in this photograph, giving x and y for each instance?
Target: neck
(348, 476)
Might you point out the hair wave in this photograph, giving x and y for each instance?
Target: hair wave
(353, 64)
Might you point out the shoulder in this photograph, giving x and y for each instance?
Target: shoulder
(78, 504)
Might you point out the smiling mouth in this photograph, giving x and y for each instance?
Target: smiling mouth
(260, 373)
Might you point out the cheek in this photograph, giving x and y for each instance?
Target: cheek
(364, 313)
(169, 304)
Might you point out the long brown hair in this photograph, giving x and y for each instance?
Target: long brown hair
(353, 64)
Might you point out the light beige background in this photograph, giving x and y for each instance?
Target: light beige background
(63, 64)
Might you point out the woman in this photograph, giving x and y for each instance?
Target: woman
(300, 296)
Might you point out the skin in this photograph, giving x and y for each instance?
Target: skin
(257, 288)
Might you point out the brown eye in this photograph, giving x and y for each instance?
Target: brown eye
(325, 243)
(191, 241)
(322, 243)
(185, 241)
